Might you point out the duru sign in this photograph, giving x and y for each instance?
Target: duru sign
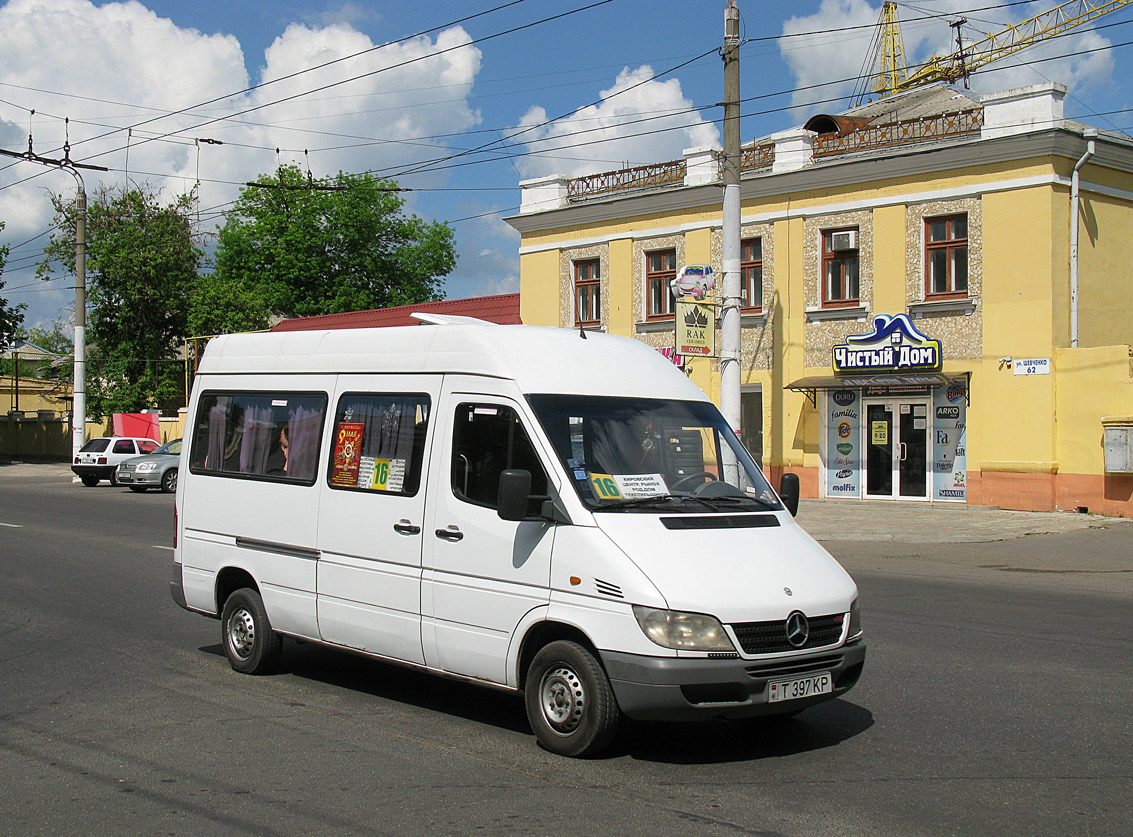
(894, 345)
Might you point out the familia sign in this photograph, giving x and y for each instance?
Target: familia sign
(894, 345)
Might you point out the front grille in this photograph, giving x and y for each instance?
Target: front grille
(790, 669)
(125, 469)
(771, 637)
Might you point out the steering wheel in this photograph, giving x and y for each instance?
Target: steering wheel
(689, 478)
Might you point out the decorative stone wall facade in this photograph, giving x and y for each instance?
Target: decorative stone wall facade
(825, 330)
(757, 331)
(656, 339)
(567, 300)
(959, 328)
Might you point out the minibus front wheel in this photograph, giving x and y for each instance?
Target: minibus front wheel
(570, 703)
(250, 644)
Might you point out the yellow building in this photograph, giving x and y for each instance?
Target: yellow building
(921, 320)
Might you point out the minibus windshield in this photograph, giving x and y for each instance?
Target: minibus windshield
(628, 454)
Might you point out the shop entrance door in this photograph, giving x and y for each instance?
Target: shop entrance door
(896, 435)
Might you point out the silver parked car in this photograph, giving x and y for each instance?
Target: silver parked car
(153, 470)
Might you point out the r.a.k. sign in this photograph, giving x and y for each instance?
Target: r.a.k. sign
(894, 345)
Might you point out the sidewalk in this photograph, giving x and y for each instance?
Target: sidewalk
(840, 520)
(910, 522)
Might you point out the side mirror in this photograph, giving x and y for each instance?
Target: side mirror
(515, 491)
(789, 492)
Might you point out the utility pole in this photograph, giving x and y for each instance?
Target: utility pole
(730, 319)
(79, 387)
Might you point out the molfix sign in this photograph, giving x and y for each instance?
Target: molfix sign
(843, 444)
(894, 345)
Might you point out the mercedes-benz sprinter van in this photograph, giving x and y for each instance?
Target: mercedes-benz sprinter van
(556, 513)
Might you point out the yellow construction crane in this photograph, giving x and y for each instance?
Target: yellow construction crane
(893, 77)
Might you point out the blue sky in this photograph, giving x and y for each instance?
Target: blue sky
(466, 99)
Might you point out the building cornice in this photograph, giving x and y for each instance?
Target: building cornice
(859, 170)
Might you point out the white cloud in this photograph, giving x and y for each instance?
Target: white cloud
(611, 134)
(836, 57)
(835, 54)
(115, 65)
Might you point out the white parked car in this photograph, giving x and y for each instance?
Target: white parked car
(98, 459)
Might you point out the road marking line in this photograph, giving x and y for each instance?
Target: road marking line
(12, 525)
(163, 547)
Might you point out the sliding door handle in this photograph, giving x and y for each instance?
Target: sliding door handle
(450, 534)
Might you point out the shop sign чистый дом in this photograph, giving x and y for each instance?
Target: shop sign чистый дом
(897, 348)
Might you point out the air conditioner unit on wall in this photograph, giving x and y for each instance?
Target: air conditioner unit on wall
(845, 240)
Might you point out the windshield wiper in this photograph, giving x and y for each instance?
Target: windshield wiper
(635, 502)
(725, 500)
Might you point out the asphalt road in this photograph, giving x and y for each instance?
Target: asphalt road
(994, 701)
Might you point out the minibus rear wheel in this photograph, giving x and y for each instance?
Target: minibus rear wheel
(250, 644)
(570, 703)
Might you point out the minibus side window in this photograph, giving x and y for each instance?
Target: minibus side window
(272, 436)
(487, 439)
(379, 442)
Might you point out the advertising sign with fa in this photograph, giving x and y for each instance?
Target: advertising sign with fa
(949, 448)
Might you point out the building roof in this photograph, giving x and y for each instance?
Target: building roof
(502, 309)
(915, 104)
(29, 352)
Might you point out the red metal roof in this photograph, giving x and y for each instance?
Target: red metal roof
(503, 309)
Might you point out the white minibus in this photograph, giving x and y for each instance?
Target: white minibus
(555, 513)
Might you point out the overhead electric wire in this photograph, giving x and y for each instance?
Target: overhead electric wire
(167, 135)
(330, 85)
(511, 150)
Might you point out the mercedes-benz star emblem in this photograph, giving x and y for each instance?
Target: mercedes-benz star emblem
(798, 629)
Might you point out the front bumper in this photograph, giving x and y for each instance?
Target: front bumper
(103, 472)
(681, 689)
(146, 478)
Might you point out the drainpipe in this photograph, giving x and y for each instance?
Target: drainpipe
(1075, 201)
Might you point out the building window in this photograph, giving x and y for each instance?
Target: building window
(660, 270)
(751, 274)
(587, 293)
(946, 256)
(840, 267)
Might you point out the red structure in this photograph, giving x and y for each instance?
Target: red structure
(503, 309)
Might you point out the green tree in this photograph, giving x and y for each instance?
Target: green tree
(11, 316)
(58, 338)
(142, 266)
(294, 247)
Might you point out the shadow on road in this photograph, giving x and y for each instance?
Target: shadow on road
(715, 742)
(819, 727)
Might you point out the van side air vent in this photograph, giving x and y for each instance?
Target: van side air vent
(607, 589)
(729, 521)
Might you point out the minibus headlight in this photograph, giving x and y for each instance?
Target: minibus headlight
(683, 631)
(855, 622)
